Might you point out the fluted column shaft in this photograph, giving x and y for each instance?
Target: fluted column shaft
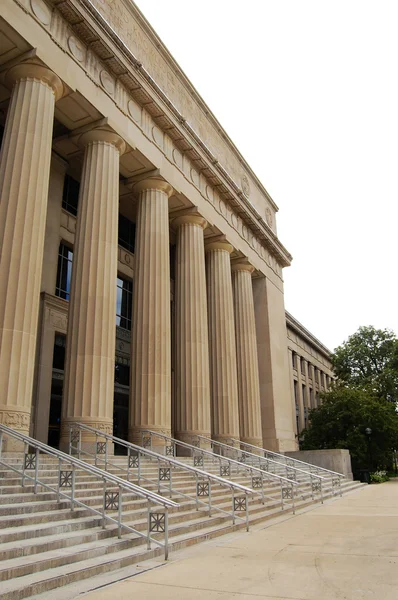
(90, 351)
(192, 346)
(150, 386)
(24, 179)
(223, 378)
(246, 353)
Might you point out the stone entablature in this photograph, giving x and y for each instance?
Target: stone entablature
(304, 343)
(120, 75)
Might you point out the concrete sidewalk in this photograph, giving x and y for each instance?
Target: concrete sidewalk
(345, 549)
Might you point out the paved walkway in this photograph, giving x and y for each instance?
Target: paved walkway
(345, 549)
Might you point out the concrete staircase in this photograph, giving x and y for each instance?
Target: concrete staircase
(45, 546)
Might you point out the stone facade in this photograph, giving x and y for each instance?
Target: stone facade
(311, 370)
(112, 162)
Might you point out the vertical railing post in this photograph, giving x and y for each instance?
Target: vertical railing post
(119, 522)
(24, 463)
(103, 503)
(70, 440)
(149, 526)
(128, 463)
(106, 454)
(96, 449)
(73, 488)
(36, 470)
(197, 497)
(171, 481)
(293, 499)
(166, 533)
(59, 481)
(321, 490)
(79, 444)
(247, 511)
(281, 495)
(233, 506)
(209, 498)
(139, 467)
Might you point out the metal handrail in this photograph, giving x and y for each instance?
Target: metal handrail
(283, 456)
(257, 474)
(290, 469)
(133, 461)
(314, 480)
(157, 519)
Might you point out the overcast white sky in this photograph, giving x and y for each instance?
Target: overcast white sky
(307, 90)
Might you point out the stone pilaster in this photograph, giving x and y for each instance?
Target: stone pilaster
(246, 353)
(24, 179)
(150, 387)
(223, 376)
(90, 349)
(192, 346)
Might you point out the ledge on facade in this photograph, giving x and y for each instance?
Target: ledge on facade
(303, 332)
(130, 71)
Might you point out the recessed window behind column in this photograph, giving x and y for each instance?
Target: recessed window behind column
(124, 303)
(64, 273)
(70, 196)
(126, 233)
(1, 135)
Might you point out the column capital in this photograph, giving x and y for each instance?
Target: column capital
(34, 71)
(242, 266)
(219, 245)
(99, 134)
(153, 183)
(193, 219)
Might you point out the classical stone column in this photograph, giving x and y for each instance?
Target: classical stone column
(24, 178)
(90, 346)
(223, 376)
(150, 387)
(246, 353)
(192, 346)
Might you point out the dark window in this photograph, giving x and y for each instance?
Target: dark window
(122, 371)
(64, 274)
(1, 135)
(124, 303)
(126, 233)
(173, 252)
(59, 352)
(70, 197)
(294, 360)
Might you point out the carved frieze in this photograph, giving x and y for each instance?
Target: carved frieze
(125, 24)
(15, 419)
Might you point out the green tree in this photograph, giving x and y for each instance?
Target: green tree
(341, 421)
(368, 361)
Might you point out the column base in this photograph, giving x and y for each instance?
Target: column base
(158, 444)
(253, 442)
(188, 437)
(88, 439)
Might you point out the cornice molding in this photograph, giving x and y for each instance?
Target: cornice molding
(307, 335)
(82, 16)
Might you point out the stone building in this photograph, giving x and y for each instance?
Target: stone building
(112, 162)
(311, 370)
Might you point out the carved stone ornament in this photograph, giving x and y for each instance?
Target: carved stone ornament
(41, 11)
(76, 48)
(245, 186)
(268, 216)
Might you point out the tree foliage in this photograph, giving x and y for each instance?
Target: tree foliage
(368, 360)
(341, 421)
